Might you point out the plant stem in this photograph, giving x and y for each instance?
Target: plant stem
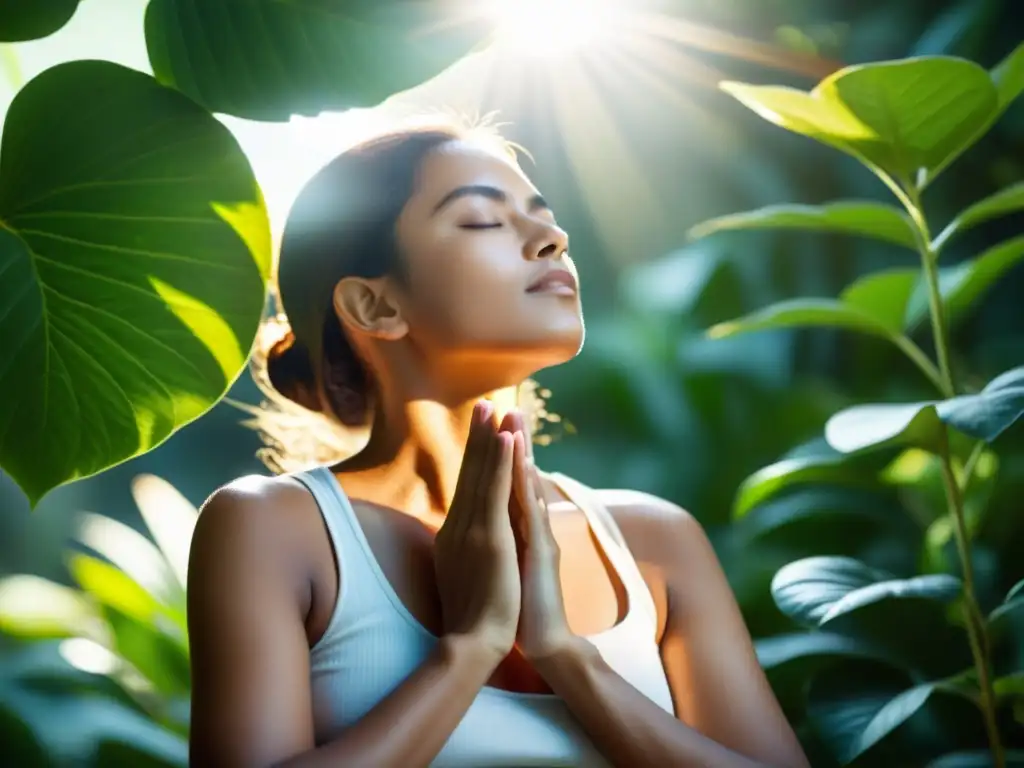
(976, 633)
(937, 310)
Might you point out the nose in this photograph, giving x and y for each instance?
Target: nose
(548, 241)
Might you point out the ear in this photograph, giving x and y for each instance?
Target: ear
(368, 305)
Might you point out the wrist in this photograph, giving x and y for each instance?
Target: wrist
(470, 652)
(572, 653)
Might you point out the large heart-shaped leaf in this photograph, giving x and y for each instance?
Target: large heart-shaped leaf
(1003, 202)
(962, 285)
(268, 60)
(135, 249)
(874, 220)
(31, 19)
(904, 119)
(985, 416)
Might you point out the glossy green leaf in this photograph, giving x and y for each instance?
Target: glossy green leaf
(984, 415)
(135, 249)
(807, 589)
(111, 587)
(32, 19)
(874, 220)
(1008, 76)
(1002, 203)
(905, 119)
(1017, 590)
(963, 285)
(171, 520)
(268, 60)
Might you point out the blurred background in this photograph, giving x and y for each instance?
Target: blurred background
(630, 157)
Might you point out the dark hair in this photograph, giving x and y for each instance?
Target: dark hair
(342, 224)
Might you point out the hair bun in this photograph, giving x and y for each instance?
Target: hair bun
(289, 367)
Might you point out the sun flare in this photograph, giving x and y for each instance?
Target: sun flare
(550, 28)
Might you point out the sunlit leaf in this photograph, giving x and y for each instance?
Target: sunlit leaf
(1003, 202)
(906, 119)
(268, 60)
(795, 313)
(171, 519)
(31, 606)
(112, 587)
(962, 285)
(874, 220)
(984, 415)
(133, 553)
(1008, 76)
(135, 249)
(32, 19)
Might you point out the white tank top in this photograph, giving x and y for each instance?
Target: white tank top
(373, 643)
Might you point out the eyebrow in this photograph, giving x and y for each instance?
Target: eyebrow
(492, 193)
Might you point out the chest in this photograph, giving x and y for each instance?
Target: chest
(594, 595)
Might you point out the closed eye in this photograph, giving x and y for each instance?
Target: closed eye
(494, 225)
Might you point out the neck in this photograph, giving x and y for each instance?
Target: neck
(413, 456)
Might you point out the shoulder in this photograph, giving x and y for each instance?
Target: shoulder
(657, 530)
(253, 524)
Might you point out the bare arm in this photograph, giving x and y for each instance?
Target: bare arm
(728, 716)
(251, 701)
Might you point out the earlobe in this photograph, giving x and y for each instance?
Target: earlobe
(367, 305)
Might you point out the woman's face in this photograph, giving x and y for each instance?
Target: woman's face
(489, 275)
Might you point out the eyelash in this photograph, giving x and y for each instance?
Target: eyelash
(496, 225)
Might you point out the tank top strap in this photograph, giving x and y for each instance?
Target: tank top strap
(359, 592)
(610, 537)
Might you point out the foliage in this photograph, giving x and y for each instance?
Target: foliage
(112, 655)
(901, 669)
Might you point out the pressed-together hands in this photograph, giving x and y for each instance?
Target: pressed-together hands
(495, 557)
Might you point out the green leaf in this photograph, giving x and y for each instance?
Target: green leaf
(819, 590)
(33, 607)
(961, 286)
(981, 758)
(268, 60)
(795, 313)
(770, 480)
(807, 589)
(1008, 76)
(874, 220)
(32, 19)
(883, 296)
(171, 520)
(115, 589)
(135, 249)
(779, 650)
(904, 119)
(1003, 202)
(985, 416)
(1015, 591)
(858, 720)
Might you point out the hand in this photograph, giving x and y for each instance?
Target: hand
(543, 628)
(475, 551)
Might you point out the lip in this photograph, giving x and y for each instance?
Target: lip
(558, 281)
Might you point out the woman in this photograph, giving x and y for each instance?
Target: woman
(434, 599)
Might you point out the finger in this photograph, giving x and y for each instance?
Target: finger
(501, 483)
(488, 457)
(473, 464)
(541, 519)
(509, 423)
(518, 501)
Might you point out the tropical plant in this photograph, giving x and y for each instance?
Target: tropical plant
(101, 672)
(903, 662)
